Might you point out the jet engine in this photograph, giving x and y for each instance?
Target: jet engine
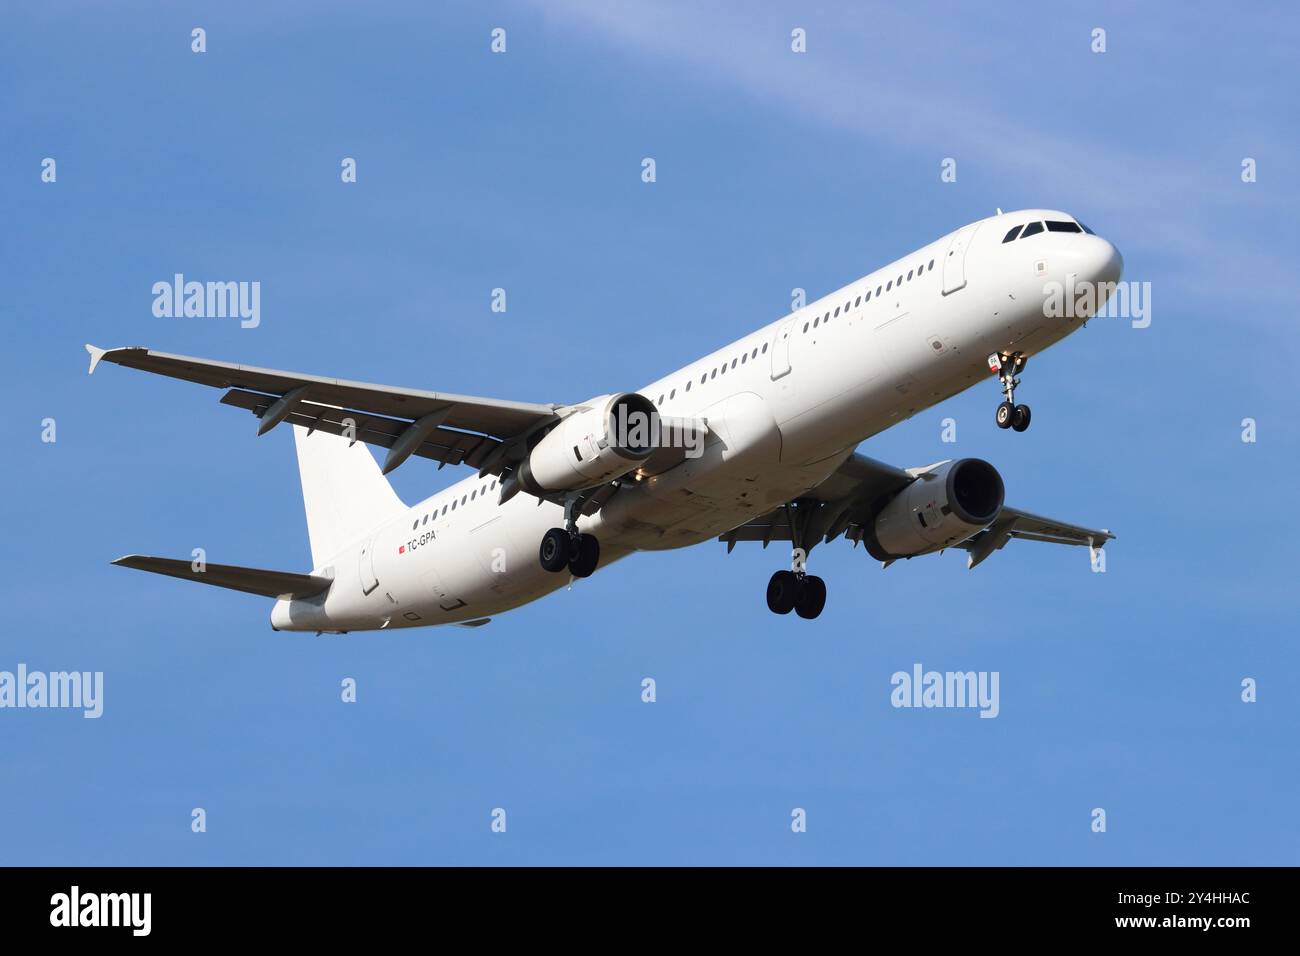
(941, 508)
(601, 440)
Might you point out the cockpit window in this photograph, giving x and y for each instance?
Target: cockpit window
(1084, 225)
(1033, 229)
(1013, 233)
(1059, 226)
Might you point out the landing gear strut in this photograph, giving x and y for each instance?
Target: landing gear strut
(1007, 366)
(796, 590)
(568, 548)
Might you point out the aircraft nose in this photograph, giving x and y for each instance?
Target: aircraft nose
(1104, 263)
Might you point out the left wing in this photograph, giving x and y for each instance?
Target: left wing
(851, 497)
(1014, 523)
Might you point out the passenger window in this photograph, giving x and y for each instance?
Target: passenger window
(889, 285)
(1033, 229)
(755, 355)
(733, 363)
(815, 321)
(714, 374)
(688, 385)
(868, 298)
(673, 393)
(416, 525)
(858, 302)
(1013, 233)
(805, 326)
(931, 263)
(877, 290)
(744, 358)
(909, 275)
(1056, 225)
(764, 348)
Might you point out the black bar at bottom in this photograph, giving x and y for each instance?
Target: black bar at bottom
(368, 904)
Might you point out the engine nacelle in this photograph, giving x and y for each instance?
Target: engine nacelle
(604, 439)
(953, 502)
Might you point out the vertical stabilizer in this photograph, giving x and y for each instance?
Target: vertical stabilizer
(345, 494)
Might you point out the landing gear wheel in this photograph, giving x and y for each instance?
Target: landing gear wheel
(783, 592)
(1007, 365)
(586, 556)
(812, 598)
(555, 550)
(1020, 418)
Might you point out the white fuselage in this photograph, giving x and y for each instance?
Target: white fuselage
(785, 405)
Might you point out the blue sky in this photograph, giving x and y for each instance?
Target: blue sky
(1118, 690)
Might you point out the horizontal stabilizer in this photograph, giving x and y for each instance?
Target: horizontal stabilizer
(275, 584)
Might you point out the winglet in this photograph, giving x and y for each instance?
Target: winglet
(96, 353)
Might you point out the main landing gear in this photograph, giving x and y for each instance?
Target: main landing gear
(1006, 366)
(796, 590)
(568, 548)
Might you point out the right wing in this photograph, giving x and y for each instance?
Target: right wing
(483, 433)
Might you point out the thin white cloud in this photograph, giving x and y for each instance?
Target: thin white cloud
(852, 81)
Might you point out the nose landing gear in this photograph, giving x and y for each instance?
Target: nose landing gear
(1007, 366)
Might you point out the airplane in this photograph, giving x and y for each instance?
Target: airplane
(755, 442)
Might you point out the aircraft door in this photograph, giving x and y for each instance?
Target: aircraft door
(366, 567)
(954, 261)
(781, 351)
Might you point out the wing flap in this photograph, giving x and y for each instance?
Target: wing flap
(275, 584)
(446, 446)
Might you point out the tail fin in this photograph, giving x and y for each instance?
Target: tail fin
(343, 490)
